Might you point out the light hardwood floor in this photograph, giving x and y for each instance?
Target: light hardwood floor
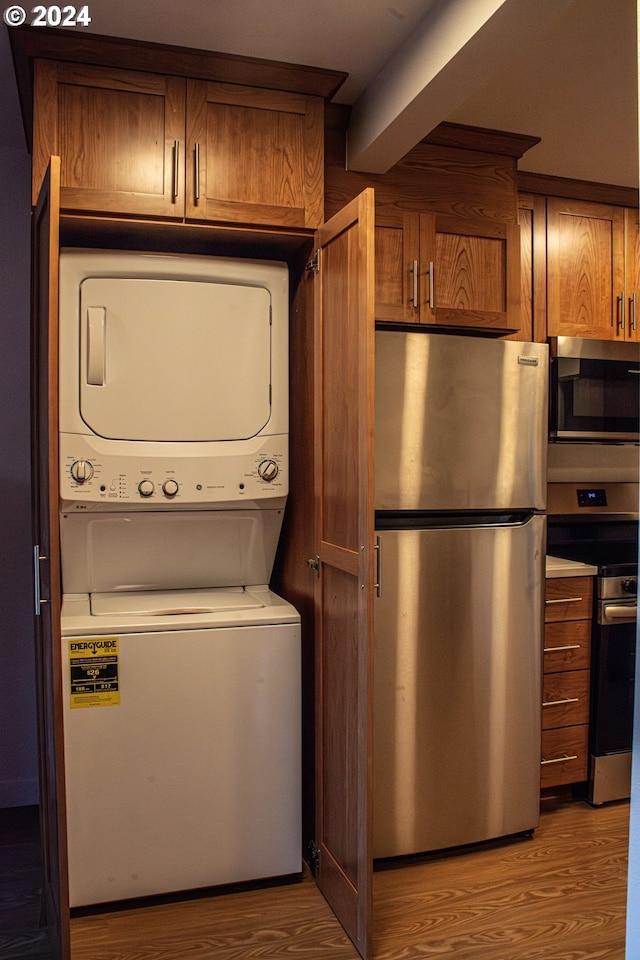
(559, 896)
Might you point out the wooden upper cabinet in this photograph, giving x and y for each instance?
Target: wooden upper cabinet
(150, 145)
(255, 156)
(119, 134)
(433, 269)
(585, 270)
(632, 275)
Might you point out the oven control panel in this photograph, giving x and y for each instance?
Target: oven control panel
(592, 497)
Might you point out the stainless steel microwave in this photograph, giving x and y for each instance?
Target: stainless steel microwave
(594, 391)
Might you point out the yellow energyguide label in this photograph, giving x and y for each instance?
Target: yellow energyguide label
(94, 671)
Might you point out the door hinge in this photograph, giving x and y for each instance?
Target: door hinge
(314, 564)
(313, 856)
(314, 264)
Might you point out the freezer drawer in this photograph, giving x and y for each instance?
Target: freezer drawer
(457, 689)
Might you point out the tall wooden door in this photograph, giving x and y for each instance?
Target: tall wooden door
(344, 384)
(44, 340)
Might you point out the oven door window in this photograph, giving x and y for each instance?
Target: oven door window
(595, 398)
(613, 673)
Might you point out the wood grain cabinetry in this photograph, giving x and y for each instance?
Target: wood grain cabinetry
(119, 135)
(565, 707)
(591, 270)
(143, 144)
(433, 270)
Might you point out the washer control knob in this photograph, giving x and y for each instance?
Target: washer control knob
(81, 471)
(268, 470)
(146, 488)
(170, 488)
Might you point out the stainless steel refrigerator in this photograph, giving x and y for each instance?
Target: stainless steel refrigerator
(461, 430)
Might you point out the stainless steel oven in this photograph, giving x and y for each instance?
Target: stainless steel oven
(594, 390)
(598, 524)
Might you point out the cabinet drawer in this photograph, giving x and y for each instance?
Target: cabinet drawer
(565, 754)
(568, 598)
(565, 700)
(567, 645)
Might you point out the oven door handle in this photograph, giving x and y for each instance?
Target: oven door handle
(618, 611)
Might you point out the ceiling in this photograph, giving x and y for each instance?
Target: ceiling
(562, 70)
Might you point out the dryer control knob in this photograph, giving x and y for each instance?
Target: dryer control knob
(268, 470)
(81, 471)
(145, 488)
(170, 488)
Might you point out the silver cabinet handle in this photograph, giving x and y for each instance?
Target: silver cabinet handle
(431, 290)
(196, 172)
(560, 759)
(558, 703)
(622, 310)
(632, 311)
(414, 284)
(378, 584)
(38, 599)
(566, 600)
(568, 646)
(175, 170)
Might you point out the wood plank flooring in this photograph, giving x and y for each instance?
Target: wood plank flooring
(559, 896)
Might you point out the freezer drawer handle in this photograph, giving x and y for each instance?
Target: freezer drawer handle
(559, 703)
(560, 759)
(566, 600)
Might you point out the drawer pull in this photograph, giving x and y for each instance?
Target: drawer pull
(564, 759)
(558, 703)
(566, 600)
(568, 646)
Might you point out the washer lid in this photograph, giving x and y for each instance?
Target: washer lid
(163, 603)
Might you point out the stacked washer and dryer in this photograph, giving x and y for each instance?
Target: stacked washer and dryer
(181, 667)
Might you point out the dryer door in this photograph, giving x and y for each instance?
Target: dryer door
(167, 360)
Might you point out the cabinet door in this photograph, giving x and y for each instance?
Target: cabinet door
(472, 274)
(44, 340)
(119, 134)
(397, 242)
(632, 275)
(585, 269)
(533, 267)
(343, 431)
(254, 156)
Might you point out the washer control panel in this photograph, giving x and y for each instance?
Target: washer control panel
(89, 477)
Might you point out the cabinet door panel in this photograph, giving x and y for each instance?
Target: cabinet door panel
(397, 256)
(476, 274)
(257, 155)
(632, 275)
(585, 244)
(119, 135)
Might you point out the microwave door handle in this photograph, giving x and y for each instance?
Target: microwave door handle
(96, 323)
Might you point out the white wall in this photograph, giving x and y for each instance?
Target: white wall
(18, 753)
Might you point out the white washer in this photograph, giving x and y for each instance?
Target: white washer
(182, 740)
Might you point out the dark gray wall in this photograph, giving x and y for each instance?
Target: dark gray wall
(18, 754)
